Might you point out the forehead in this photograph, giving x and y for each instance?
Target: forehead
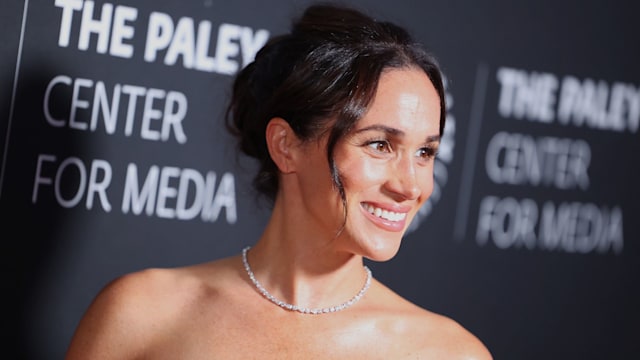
(406, 100)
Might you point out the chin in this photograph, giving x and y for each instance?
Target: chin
(382, 250)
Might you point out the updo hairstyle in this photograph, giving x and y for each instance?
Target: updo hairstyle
(321, 77)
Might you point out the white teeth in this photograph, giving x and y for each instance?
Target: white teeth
(385, 214)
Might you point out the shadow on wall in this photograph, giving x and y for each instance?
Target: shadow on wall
(29, 230)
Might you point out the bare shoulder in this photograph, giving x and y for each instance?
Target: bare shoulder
(454, 341)
(137, 310)
(430, 335)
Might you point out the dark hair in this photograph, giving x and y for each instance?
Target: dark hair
(325, 70)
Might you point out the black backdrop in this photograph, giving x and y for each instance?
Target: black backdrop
(114, 159)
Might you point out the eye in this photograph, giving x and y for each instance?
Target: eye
(381, 146)
(427, 152)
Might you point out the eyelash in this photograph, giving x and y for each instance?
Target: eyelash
(374, 145)
(427, 152)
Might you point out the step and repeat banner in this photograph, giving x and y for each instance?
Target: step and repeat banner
(115, 158)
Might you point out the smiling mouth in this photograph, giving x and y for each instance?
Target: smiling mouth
(384, 214)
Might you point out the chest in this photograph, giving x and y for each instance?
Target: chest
(242, 335)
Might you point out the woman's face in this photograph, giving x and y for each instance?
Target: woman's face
(385, 164)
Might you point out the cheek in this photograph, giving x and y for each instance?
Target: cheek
(315, 177)
(363, 174)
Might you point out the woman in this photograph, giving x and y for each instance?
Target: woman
(344, 115)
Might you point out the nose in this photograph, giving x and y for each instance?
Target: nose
(403, 182)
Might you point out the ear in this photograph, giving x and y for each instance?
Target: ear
(281, 142)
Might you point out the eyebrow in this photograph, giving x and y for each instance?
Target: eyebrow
(393, 131)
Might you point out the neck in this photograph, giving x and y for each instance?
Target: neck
(300, 264)
(301, 308)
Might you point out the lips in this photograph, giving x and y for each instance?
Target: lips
(384, 213)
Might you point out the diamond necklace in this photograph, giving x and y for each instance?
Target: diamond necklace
(297, 308)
